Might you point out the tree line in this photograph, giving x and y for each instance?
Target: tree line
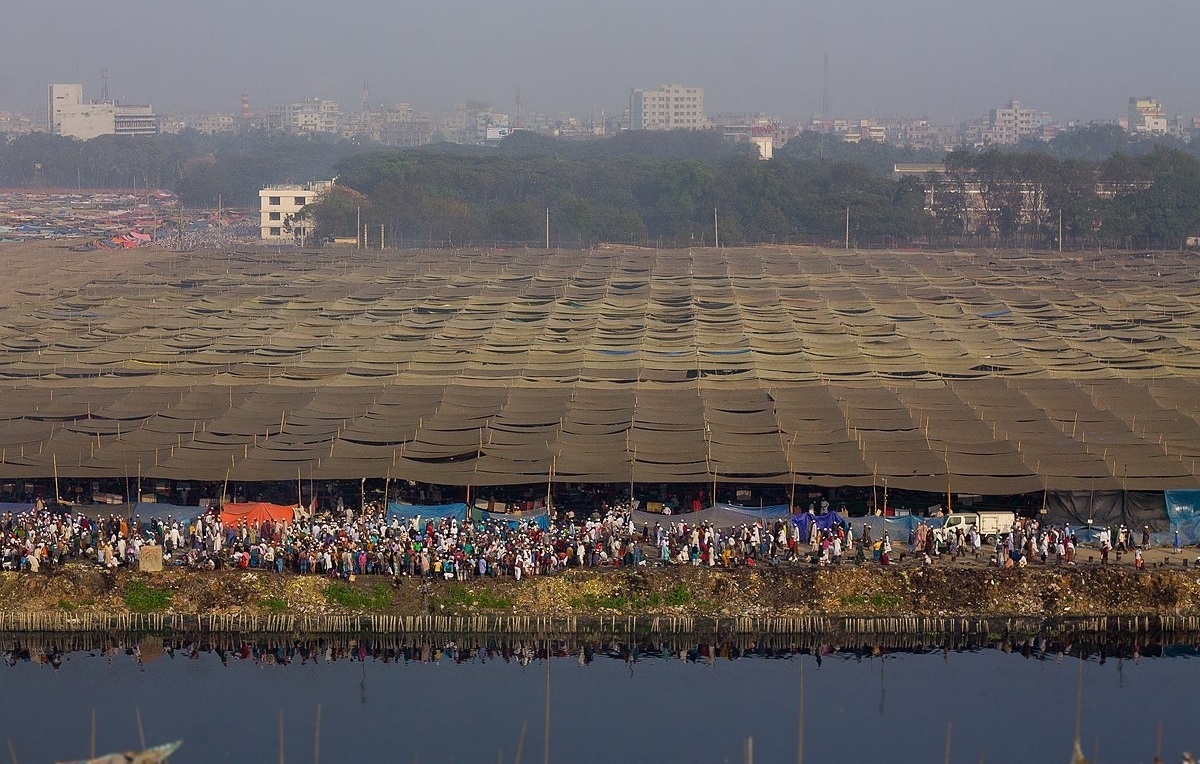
(663, 188)
(1008, 198)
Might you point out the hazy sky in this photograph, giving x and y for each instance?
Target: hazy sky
(946, 59)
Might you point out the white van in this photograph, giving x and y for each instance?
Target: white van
(991, 525)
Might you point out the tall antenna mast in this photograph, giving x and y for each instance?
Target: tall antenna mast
(104, 86)
(366, 97)
(518, 110)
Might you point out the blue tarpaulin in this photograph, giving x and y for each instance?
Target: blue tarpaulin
(771, 512)
(897, 528)
(541, 518)
(427, 511)
(826, 521)
(16, 508)
(1183, 508)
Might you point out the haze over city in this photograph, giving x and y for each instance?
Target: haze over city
(942, 59)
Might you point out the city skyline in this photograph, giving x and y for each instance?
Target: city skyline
(929, 58)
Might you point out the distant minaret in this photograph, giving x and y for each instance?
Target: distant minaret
(366, 98)
(104, 86)
(245, 106)
(518, 112)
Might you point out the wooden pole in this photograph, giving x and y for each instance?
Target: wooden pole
(800, 744)
(57, 493)
(520, 744)
(546, 739)
(317, 737)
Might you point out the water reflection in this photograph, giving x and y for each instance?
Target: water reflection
(468, 698)
(523, 650)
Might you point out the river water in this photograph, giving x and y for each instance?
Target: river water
(446, 700)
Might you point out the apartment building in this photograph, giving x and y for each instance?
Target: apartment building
(278, 209)
(312, 115)
(670, 107)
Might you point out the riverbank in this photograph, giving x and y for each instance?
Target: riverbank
(238, 599)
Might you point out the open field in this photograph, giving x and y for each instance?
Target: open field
(983, 372)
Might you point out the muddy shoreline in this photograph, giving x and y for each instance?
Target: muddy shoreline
(936, 599)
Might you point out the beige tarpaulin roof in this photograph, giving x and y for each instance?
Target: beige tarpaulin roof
(986, 373)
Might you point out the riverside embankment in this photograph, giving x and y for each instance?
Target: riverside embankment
(952, 599)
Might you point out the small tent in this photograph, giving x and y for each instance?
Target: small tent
(256, 513)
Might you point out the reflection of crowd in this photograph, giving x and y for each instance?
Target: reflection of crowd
(524, 650)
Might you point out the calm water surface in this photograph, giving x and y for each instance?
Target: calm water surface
(688, 703)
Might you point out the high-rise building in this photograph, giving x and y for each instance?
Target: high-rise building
(68, 115)
(671, 107)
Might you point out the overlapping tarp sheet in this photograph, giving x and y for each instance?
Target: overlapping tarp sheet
(405, 512)
(16, 507)
(986, 373)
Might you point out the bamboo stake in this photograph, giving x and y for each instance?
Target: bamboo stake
(317, 738)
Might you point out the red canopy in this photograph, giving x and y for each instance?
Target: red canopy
(255, 513)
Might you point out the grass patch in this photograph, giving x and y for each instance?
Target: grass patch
(598, 602)
(274, 604)
(676, 597)
(679, 596)
(459, 596)
(141, 598)
(66, 606)
(344, 595)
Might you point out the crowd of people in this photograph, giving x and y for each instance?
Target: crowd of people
(346, 542)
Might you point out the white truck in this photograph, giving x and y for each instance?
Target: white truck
(991, 525)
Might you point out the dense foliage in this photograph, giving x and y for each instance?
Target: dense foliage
(663, 188)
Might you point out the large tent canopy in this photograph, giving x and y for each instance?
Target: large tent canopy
(972, 372)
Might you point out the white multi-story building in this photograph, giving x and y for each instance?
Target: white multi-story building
(68, 115)
(1147, 116)
(1011, 123)
(671, 107)
(279, 205)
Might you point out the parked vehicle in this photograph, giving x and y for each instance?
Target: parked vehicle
(992, 525)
